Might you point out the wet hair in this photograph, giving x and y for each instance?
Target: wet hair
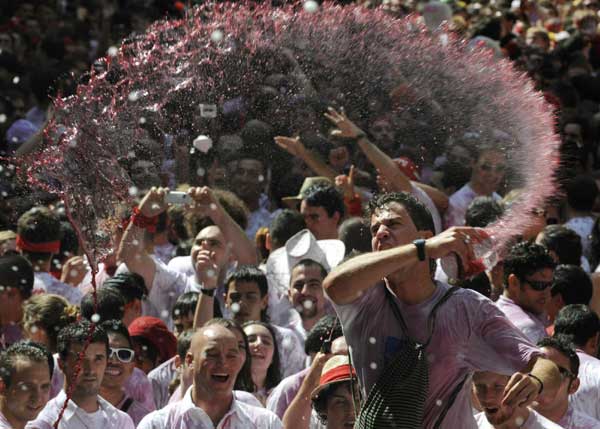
(79, 332)
(116, 326)
(355, 235)
(16, 272)
(39, 225)
(573, 284)
(130, 285)
(274, 372)
(310, 263)
(285, 225)
(23, 350)
(111, 304)
(482, 211)
(526, 258)
(49, 312)
(327, 197)
(565, 346)
(563, 241)
(244, 379)
(581, 193)
(326, 327)
(578, 322)
(416, 210)
(185, 304)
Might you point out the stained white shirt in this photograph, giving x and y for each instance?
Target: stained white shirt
(587, 397)
(574, 419)
(160, 378)
(46, 283)
(534, 421)
(4, 424)
(291, 351)
(74, 417)
(583, 227)
(185, 414)
(530, 324)
(458, 204)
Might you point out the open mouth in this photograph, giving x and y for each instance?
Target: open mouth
(491, 411)
(220, 378)
(113, 371)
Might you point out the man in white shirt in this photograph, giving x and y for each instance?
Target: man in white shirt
(556, 407)
(86, 409)
(489, 389)
(209, 403)
(24, 384)
(582, 326)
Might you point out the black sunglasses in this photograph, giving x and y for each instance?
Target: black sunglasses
(539, 286)
(565, 373)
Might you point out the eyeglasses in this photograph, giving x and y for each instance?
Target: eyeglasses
(539, 286)
(124, 355)
(565, 373)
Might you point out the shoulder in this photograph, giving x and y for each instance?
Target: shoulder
(117, 416)
(246, 398)
(537, 421)
(262, 417)
(156, 419)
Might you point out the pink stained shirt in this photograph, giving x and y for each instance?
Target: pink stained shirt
(574, 419)
(533, 326)
(587, 397)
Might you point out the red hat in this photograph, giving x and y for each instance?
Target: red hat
(156, 332)
(336, 370)
(408, 167)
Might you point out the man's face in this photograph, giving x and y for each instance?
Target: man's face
(383, 133)
(319, 222)
(528, 294)
(568, 386)
(339, 157)
(216, 360)
(117, 371)
(11, 305)
(488, 172)
(306, 291)
(245, 298)
(489, 389)
(183, 322)
(211, 239)
(29, 390)
(144, 174)
(92, 370)
(392, 226)
(340, 407)
(572, 134)
(247, 178)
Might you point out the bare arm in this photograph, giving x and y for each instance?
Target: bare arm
(206, 270)
(523, 389)
(294, 146)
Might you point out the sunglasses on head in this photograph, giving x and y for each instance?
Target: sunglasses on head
(539, 286)
(123, 354)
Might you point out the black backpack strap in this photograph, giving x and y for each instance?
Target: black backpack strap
(126, 404)
(396, 310)
(449, 403)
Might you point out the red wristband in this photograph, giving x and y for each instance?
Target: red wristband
(141, 221)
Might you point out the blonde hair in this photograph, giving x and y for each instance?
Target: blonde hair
(49, 312)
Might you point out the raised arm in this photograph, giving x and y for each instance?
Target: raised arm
(132, 248)
(206, 277)
(207, 204)
(294, 146)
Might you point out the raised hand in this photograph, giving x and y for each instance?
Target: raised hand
(205, 203)
(346, 183)
(345, 127)
(153, 202)
(207, 271)
(291, 145)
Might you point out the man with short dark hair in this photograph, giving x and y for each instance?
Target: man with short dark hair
(133, 290)
(564, 245)
(110, 305)
(581, 197)
(528, 271)
(16, 274)
(582, 326)
(556, 407)
(570, 285)
(183, 312)
(216, 361)
(83, 377)
(483, 211)
(24, 384)
(323, 210)
(284, 226)
(38, 238)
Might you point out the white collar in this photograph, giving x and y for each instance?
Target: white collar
(187, 406)
(72, 408)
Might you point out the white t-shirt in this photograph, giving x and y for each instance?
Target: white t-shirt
(587, 397)
(534, 421)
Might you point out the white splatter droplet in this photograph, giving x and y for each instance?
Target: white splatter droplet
(203, 143)
(519, 421)
(311, 6)
(133, 191)
(34, 329)
(95, 318)
(200, 171)
(308, 304)
(211, 273)
(15, 268)
(16, 80)
(164, 314)
(216, 36)
(286, 343)
(2, 118)
(113, 51)
(372, 340)
(235, 307)
(373, 365)
(438, 402)
(142, 120)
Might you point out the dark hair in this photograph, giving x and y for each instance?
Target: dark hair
(310, 263)
(39, 225)
(355, 234)
(526, 258)
(111, 304)
(563, 241)
(482, 211)
(479, 283)
(565, 346)
(244, 379)
(327, 197)
(320, 402)
(148, 347)
(249, 273)
(578, 322)
(581, 193)
(231, 203)
(274, 371)
(79, 332)
(69, 246)
(573, 284)
(116, 326)
(185, 304)
(26, 350)
(130, 285)
(416, 210)
(184, 342)
(326, 327)
(16, 272)
(284, 226)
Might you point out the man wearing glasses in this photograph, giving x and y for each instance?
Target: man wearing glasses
(487, 174)
(557, 408)
(528, 273)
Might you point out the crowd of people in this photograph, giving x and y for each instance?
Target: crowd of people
(290, 276)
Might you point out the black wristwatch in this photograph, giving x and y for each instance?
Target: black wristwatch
(207, 292)
(420, 245)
